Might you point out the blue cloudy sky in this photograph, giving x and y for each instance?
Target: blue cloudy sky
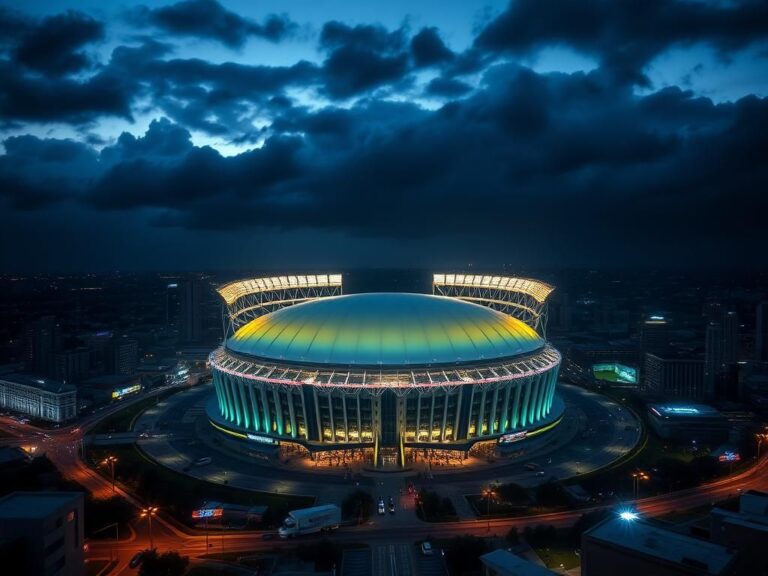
(203, 134)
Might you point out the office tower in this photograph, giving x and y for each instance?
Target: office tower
(124, 356)
(43, 341)
(73, 366)
(761, 332)
(654, 335)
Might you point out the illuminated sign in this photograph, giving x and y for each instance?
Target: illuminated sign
(729, 456)
(207, 513)
(120, 392)
(513, 437)
(613, 372)
(261, 439)
(680, 410)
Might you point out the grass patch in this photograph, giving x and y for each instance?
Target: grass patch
(178, 494)
(123, 420)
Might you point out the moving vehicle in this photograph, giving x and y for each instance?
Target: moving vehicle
(136, 560)
(310, 521)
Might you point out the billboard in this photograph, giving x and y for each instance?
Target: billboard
(615, 372)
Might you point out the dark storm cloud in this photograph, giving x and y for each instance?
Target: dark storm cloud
(429, 49)
(54, 44)
(626, 35)
(40, 98)
(588, 157)
(209, 19)
(361, 58)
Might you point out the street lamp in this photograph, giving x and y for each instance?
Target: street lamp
(488, 494)
(110, 461)
(636, 477)
(148, 513)
(761, 437)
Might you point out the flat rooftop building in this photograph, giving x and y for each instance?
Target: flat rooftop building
(639, 548)
(43, 533)
(688, 421)
(503, 563)
(38, 397)
(745, 531)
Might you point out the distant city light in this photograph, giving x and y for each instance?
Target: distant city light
(628, 515)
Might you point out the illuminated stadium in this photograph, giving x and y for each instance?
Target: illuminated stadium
(383, 376)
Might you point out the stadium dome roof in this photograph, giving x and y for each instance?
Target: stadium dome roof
(385, 329)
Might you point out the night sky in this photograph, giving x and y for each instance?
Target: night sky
(312, 133)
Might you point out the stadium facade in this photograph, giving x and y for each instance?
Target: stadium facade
(385, 374)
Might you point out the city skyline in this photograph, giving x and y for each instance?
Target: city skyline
(206, 135)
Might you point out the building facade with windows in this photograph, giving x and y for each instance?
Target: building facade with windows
(38, 397)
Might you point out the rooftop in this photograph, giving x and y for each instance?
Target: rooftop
(35, 504)
(38, 382)
(385, 329)
(684, 410)
(651, 540)
(508, 564)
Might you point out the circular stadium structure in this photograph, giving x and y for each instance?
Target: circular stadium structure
(385, 375)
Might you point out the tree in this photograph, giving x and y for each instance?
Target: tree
(166, 564)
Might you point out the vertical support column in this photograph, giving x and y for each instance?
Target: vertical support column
(346, 420)
(291, 414)
(255, 407)
(504, 420)
(278, 409)
(330, 416)
(359, 419)
(446, 398)
(241, 391)
(320, 430)
(431, 417)
(265, 409)
(480, 414)
(418, 413)
(494, 405)
(526, 400)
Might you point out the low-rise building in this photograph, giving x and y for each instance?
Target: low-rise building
(42, 532)
(504, 563)
(679, 421)
(745, 531)
(635, 547)
(38, 397)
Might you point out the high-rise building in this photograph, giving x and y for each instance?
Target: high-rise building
(124, 356)
(199, 312)
(43, 341)
(721, 349)
(45, 530)
(654, 335)
(669, 376)
(761, 332)
(73, 366)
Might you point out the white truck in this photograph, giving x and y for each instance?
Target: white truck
(310, 521)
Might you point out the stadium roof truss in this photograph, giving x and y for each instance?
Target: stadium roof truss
(401, 381)
(522, 298)
(248, 299)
